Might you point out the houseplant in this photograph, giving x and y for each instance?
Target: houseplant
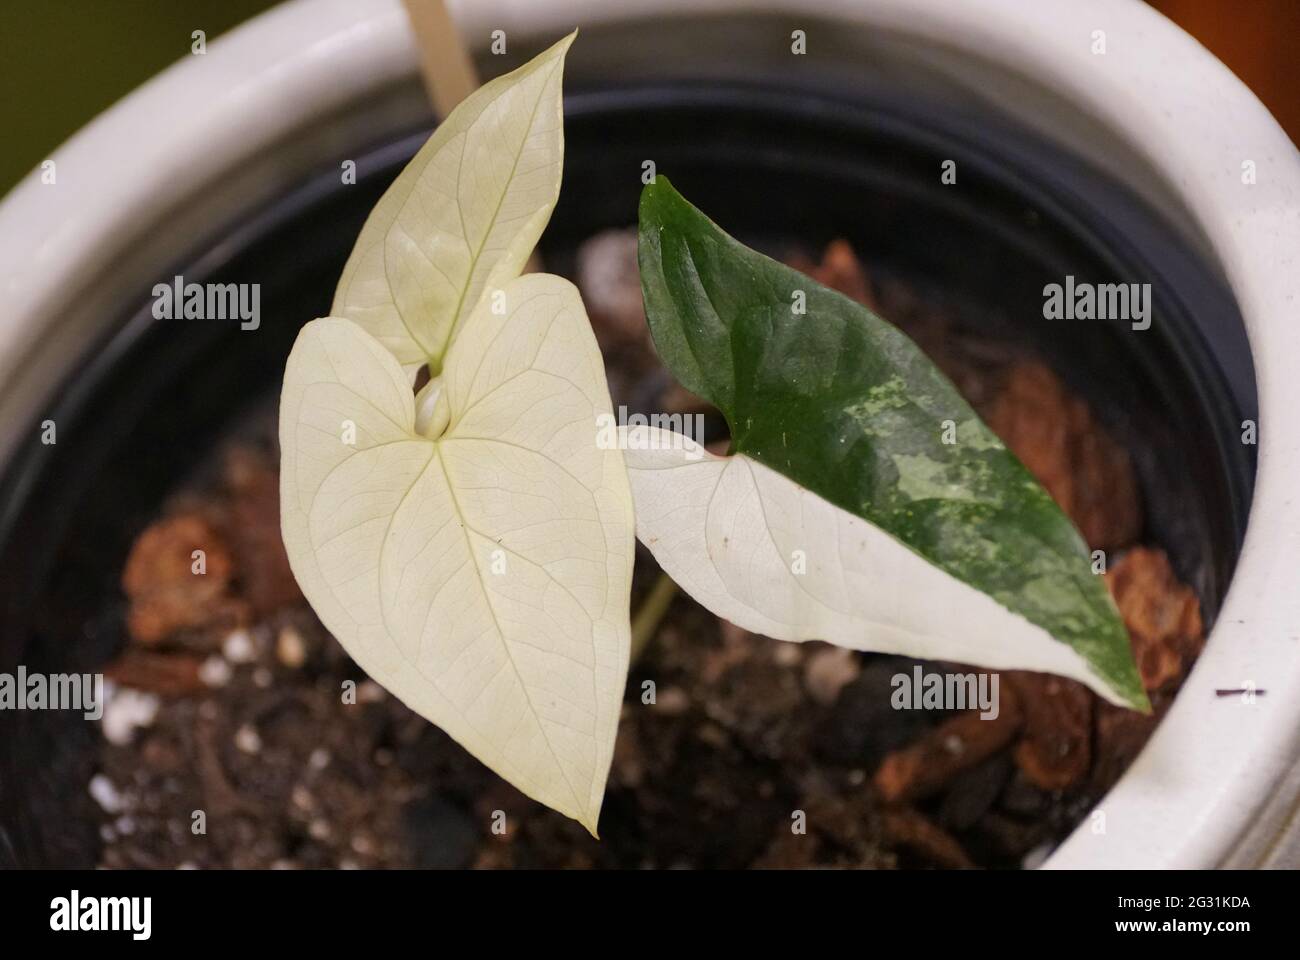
(469, 541)
(938, 24)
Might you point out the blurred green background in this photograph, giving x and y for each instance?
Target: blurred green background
(64, 61)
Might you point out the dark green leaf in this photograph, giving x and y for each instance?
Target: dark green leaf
(845, 405)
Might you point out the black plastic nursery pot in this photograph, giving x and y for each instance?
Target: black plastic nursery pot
(775, 168)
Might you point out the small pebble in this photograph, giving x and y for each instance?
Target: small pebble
(319, 830)
(672, 701)
(125, 712)
(247, 740)
(262, 677)
(611, 286)
(319, 759)
(105, 793)
(787, 654)
(290, 649)
(302, 797)
(712, 734)
(369, 692)
(238, 647)
(828, 671)
(215, 671)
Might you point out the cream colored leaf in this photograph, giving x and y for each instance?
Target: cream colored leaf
(772, 557)
(482, 574)
(462, 217)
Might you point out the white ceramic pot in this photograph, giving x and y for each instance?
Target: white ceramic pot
(1218, 782)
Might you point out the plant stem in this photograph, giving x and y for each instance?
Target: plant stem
(652, 610)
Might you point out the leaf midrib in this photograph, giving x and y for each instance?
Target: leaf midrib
(496, 622)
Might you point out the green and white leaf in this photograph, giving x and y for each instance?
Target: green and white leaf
(463, 217)
(842, 514)
(733, 533)
(476, 563)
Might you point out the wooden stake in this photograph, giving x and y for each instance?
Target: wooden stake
(449, 74)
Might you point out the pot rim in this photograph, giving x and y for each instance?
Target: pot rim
(1193, 793)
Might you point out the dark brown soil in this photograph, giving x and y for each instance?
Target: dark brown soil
(240, 734)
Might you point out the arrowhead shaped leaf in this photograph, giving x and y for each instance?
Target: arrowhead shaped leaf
(463, 217)
(481, 572)
(911, 544)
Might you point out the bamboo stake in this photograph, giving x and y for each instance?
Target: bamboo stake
(449, 74)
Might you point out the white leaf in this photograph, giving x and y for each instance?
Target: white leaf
(732, 533)
(482, 576)
(463, 216)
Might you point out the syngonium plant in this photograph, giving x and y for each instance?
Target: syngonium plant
(471, 543)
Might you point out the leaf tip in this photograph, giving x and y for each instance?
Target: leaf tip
(658, 186)
(1136, 699)
(1123, 686)
(654, 209)
(561, 47)
(587, 814)
(1119, 671)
